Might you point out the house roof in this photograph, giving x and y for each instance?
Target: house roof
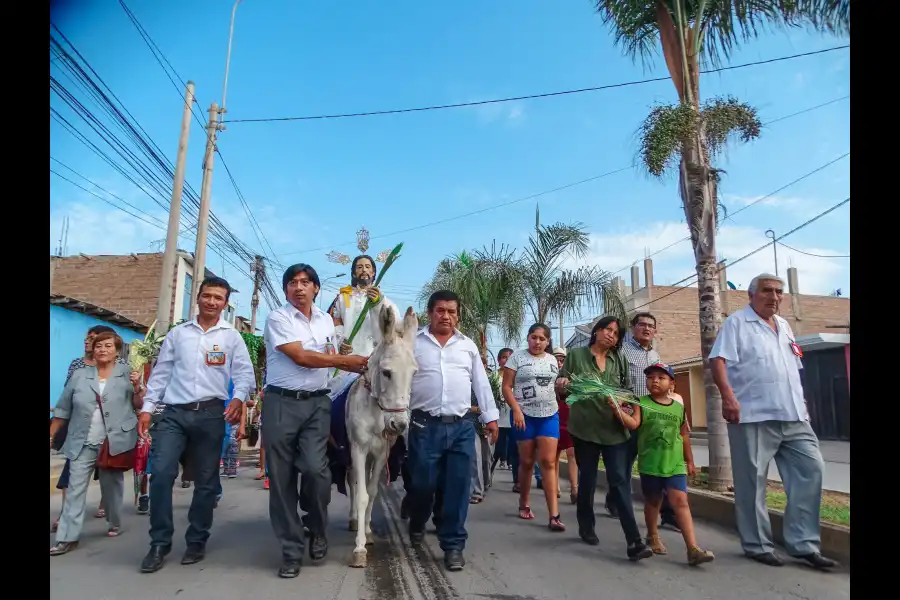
(687, 362)
(96, 311)
(822, 341)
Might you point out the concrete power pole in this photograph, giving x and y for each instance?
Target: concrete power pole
(258, 273)
(164, 304)
(203, 217)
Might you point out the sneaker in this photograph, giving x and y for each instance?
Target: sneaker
(638, 551)
(698, 556)
(266, 484)
(656, 545)
(143, 505)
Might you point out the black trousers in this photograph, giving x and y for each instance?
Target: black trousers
(197, 434)
(295, 434)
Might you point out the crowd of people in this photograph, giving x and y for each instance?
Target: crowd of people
(464, 422)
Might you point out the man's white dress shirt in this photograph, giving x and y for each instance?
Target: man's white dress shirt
(189, 369)
(286, 325)
(762, 368)
(348, 309)
(448, 375)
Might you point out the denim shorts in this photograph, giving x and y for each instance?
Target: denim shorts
(653, 486)
(536, 427)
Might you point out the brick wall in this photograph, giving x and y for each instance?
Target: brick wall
(128, 285)
(678, 334)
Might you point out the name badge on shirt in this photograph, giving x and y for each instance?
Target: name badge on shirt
(798, 352)
(215, 357)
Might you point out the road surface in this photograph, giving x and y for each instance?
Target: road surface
(508, 559)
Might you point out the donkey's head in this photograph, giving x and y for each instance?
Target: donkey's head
(392, 366)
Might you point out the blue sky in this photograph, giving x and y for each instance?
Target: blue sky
(312, 184)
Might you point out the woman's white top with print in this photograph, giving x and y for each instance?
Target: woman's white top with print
(534, 388)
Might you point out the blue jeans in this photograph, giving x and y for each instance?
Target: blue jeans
(445, 448)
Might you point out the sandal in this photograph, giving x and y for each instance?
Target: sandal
(113, 532)
(525, 513)
(260, 477)
(100, 514)
(62, 548)
(55, 526)
(475, 500)
(556, 524)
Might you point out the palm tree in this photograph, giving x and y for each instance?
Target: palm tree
(690, 133)
(489, 286)
(551, 289)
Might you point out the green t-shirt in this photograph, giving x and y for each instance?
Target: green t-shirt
(660, 446)
(592, 419)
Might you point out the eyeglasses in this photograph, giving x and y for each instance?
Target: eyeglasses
(646, 325)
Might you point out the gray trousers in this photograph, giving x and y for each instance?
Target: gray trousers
(112, 487)
(481, 467)
(295, 434)
(795, 448)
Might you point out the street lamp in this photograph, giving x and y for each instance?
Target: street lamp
(228, 58)
(327, 279)
(771, 234)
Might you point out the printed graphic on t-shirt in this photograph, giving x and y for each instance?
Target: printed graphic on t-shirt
(533, 386)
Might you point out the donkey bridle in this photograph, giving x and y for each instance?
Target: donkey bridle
(368, 383)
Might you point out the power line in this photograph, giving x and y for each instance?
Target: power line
(577, 183)
(113, 204)
(526, 97)
(815, 255)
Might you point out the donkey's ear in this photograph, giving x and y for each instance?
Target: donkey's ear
(387, 321)
(410, 325)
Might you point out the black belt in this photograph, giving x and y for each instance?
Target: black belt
(421, 414)
(198, 405)
(296, 394)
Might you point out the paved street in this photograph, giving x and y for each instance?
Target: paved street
(508, 559)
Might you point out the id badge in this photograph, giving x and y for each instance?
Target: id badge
(215, 357)
(795, 348)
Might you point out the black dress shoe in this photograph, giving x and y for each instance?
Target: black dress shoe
(318, 547)
(290, 568)
(590, 538)
(416, 537)
(454, 561)
(669, 521)
(639, 551)
(768, 558)
(154, 560)
(193, 554)
(818, 561)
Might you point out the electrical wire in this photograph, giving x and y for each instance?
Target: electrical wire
(395, 111)
(815, 255)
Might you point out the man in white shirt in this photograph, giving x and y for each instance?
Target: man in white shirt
(755, 363)
(450, 371)
(300, 352)
(196, 363)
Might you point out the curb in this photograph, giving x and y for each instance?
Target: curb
(718, 509)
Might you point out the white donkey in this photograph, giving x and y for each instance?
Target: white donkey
(377, 412)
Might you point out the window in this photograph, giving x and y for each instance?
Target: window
(186, 301)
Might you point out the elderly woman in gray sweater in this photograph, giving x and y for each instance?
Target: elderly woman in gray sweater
(99, 404)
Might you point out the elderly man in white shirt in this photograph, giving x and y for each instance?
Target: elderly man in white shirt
(196, 363)
(300, 352)
(756, 365)
(450, 371)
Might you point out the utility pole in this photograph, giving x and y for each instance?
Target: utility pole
(164, 303)
(562, 339)
(771, 234)
(258, 269)
(203, 217)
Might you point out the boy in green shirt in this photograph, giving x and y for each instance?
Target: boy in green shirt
(664, 458)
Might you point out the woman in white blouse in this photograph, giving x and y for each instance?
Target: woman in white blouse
(529, 379)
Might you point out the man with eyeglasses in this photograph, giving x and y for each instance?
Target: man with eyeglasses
(640, 354)
(756, 365)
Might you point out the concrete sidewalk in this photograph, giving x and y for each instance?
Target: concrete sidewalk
(837, 464)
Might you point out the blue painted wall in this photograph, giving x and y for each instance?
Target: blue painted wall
(67, 331)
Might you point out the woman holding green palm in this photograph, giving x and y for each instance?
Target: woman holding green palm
(596, 433)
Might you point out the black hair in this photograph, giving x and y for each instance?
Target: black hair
(642, 315)
(353, 280)
(547, 331)
(294, 270)
(215, 282)
(603, 323)
(98, 329)
(442, 296)
(504, 351)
